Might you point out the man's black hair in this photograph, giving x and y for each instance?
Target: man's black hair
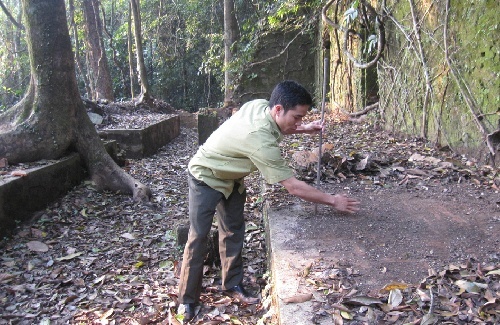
(289, 94)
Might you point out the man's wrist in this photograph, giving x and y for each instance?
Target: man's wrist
(334, 201)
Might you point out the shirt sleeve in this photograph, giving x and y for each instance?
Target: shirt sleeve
(271, 164)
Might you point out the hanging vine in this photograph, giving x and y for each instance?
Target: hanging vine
(369, 20)
(366, 11)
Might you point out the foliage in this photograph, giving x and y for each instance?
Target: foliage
(183, 45)
(14, 62)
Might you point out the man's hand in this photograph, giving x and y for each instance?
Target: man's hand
(311, 128)
(343, 203)
(340, 202)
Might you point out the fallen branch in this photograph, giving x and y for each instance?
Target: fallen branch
(364, 111)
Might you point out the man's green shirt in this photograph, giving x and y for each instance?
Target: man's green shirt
(247, 142)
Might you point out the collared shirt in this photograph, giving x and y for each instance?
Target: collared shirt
(247, 142)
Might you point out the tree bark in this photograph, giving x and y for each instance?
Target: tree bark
(231, 35)
(130, 52)
(99, 69)
(78, 58)
(51, 119)
(145, 96)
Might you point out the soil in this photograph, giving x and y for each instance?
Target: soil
(100, 257)
(402, 234)
(429, 220)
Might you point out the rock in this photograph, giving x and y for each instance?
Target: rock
(95, 118)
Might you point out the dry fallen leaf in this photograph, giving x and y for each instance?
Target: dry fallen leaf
(298, 298)
(19, 173)
(5, 277)
(394, 285)
(363, 301)
(37, 246)
(69, 257)
(128, 235)
(395, 297)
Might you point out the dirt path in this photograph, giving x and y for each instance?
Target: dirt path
(399, 234)
(441, 239)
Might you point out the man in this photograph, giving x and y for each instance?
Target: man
(247, 142)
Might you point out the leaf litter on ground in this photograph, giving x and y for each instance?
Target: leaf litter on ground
(98, 257)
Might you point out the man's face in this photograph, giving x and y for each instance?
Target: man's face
(288, 122)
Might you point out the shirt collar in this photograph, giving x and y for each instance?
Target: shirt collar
(274, 127)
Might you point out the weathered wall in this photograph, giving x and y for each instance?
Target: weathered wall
(447, 92)
(279, 58)
(422, 92)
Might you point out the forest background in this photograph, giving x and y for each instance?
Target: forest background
(434, 74)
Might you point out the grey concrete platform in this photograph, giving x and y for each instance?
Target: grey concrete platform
(20, 197)
(140, 143)
(286, 263)
(397, 236)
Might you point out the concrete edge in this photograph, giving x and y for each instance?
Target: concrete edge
(285, 265)
(140, 143)
(20, 197)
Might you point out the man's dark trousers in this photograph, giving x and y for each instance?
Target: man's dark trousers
(204, 201)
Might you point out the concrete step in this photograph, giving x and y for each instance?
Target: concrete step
(140, 143)
(20, 197)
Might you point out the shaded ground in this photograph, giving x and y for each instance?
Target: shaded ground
(428, 226)
(399, 235)
(100, 258)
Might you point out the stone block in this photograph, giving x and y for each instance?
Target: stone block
(20, 197)
(140, 143)
(113, 149)
(188, 120)
(207, 124)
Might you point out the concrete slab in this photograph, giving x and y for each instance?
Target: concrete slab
(287, 263)
(140, 143)
(397, 236)
(21, 196)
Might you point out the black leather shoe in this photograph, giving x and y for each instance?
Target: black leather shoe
(241, 295)
(187, 310)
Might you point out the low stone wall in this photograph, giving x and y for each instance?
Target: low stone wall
(140, 143)
(20, 197)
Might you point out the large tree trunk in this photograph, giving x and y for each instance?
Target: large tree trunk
(98, 62)
(51, 119)
(231, 35)
(145, 95)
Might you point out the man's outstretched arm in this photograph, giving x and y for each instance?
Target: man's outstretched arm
(307, 192)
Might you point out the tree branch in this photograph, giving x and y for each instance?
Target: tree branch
(365, 110)
(465, 91)
(277, 55)
(7, 13)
